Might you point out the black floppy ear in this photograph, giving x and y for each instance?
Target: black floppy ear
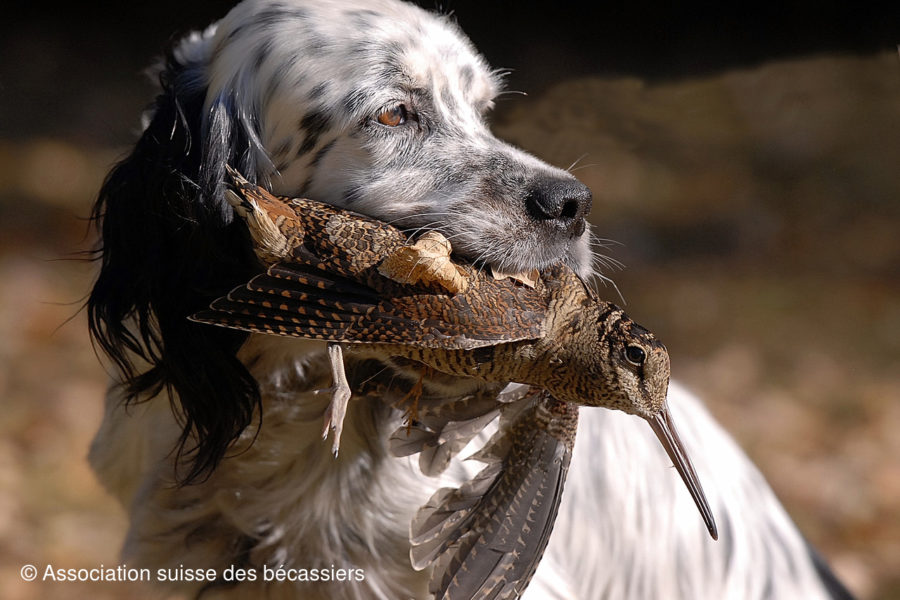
(169, 245)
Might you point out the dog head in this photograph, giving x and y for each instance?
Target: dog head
(380, 107)
(377, 106)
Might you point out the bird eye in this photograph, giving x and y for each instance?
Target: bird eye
(393, 116)
(635, 355)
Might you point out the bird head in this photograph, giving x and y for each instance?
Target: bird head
(637, 375)
(616, 363)
(633, 364)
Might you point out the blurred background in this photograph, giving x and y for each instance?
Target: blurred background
(745, 161)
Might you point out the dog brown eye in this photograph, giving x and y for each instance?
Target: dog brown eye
(393, 116)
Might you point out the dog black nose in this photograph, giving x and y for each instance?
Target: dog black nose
(564, 202)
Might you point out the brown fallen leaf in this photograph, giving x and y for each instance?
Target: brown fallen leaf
(426, 261)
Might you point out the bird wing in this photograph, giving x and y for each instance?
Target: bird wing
(328, 285)
(324, 297)
(487, 537)
(443, 427)
(300, 300)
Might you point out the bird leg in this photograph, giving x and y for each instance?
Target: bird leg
(413, 396)
(340, 395)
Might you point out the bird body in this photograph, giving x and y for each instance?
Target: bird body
(360, 284)
(326, 281)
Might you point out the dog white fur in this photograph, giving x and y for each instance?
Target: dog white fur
(292, 91)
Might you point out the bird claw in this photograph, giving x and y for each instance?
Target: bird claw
(334, 416)
(413, 396)
(340, 396)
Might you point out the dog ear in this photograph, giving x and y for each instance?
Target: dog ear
(170, 245)
(230, 137)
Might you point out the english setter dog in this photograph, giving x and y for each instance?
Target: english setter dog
(212, 439)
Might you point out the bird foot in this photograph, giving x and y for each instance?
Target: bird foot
(413, 396)
(340, 395)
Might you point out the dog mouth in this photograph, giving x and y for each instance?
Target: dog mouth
(505, 210)
(511, 248)
(533, 223)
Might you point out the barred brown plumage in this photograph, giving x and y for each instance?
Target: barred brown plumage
(324, 282)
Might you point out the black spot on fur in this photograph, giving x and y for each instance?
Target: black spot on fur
(315, 44)
(321, 153)
(262, 53)
(235, 33)
(362, 18)
(318, 91)
(312, 125)
(352, 195)
(353, 101)
(448, 100)
(280, 155)
(278, 13)
(304, 188)
(282, 149)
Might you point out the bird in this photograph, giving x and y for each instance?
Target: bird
(365, 286)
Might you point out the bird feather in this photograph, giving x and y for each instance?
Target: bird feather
(487, 537)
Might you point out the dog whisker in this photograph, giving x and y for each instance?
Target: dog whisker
(572, 166)
(607, 261)
(580, 167)
(413, 233)
(415, 216)
(608, 282)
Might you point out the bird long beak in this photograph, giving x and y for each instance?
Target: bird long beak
(664, 429)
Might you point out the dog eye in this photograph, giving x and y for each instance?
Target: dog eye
(393, 116)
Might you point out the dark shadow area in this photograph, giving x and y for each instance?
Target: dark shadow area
(89, 51)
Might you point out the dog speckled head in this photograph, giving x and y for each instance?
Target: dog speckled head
(391, 123)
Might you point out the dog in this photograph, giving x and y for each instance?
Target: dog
(211, 438)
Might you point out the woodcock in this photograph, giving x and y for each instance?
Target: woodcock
(363, 286)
